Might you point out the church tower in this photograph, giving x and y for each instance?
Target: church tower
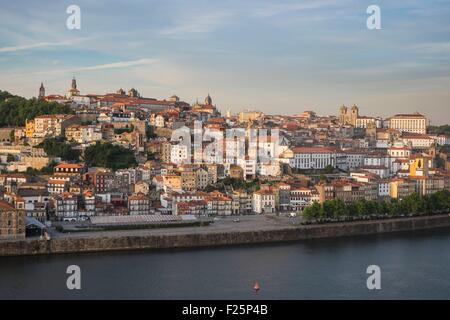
(41, 92)
(73, 91)
(343, 115)
(208, 100)
(354, 115)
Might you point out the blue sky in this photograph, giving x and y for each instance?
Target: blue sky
(274, 56)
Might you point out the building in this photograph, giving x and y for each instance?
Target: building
(263, 201)
(34, 201)
(418, 141)
(202, 179)
(83, 134)
(313, 158)
(180, 154)
(138, 204)
(242, 202)
(102, 181)
(249, 116)
(73, 91)
(218, 204)
(188, 180)
(236, 172)
(50, 125)
(194, 207)
(401, 188)
(348, 116)
(69, 169)
(283, 196)
(302, 197)
(66, 206)
(41, 95)
(12, 222)
(414, 123)
(347, 190)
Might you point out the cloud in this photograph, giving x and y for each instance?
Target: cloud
(43, 45)
(280, 8)
(199, 24)
(433, 48)
(114, 65)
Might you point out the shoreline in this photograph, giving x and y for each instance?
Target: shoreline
(193, 238)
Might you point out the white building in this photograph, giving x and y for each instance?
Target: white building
(248, 166)
(384, 188)
(179, 154)
(269, 169)
(313, 158)
(301, 198)
(350, 160)
(263, 201)
(401, 152)
(418, 141)
(414, 123)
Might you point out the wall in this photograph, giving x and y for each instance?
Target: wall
(99, 243)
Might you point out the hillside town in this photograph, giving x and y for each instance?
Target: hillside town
(121, 157)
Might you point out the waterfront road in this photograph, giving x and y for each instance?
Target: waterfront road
(220, 224)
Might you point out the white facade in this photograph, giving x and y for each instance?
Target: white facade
(384, 188)
(179, 154)
(418, 141)
(313, 158)
(263, 202)
(415, 123)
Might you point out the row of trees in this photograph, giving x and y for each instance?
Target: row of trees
(413, 204)
(15, 110)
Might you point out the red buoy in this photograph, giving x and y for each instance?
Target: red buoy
(256, 286)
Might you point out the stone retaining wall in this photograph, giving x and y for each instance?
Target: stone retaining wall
(189, 240)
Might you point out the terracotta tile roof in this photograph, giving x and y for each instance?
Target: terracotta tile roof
(6, 205)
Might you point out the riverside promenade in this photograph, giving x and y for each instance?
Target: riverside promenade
(223, 232)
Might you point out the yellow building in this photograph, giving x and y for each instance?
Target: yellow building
(248, 116)
(29, 128)
(172, 182)
(401, 188)
(419, 166)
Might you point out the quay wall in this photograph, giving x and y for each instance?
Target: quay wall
(204, 239)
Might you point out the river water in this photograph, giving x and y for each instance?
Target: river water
(413, 266)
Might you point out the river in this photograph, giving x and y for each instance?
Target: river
(414, 265)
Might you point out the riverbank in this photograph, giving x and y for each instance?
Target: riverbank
(251, 231)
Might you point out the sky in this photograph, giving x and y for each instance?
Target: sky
(275, 56)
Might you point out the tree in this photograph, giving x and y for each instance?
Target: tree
(10, 158)
(5, 95)
(329, 169)
(439, 162)
(110, 156)
(15, 110)
(150, 132)
(313, 212)
(412, 204)
(57, 147)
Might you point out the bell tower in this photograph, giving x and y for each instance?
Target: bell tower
(41, 92)
(354, 115)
